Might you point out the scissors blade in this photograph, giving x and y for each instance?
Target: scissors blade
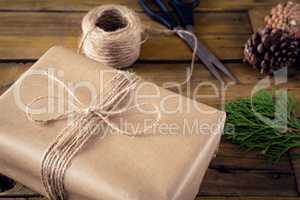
(202, 57)
(212, 69)
(216, 62)
(210, 60)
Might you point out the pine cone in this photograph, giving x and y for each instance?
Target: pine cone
(271, 49)
(285, 16)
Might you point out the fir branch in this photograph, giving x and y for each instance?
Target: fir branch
(269, 137)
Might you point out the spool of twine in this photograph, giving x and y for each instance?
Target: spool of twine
(112, 35)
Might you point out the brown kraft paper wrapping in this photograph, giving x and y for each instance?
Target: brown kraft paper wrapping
(162, 165)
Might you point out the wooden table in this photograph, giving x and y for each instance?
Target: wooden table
(29, 27)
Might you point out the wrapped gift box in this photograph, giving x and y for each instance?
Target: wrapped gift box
(155, 166)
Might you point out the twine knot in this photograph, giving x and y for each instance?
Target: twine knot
(89, 110)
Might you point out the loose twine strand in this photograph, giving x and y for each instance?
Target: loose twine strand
(86, 123)
(113, 35)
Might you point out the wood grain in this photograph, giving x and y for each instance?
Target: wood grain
(247, 198)
(227, 182)
(210, 198)
(29, 27)
(26, 35)
(296, 167)
(231, 158)
(252, 183)
(9, 72)
(257, 16)
(83, 5)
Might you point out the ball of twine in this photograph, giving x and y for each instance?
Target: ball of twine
(112, 35)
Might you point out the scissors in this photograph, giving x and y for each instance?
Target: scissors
(184, 12)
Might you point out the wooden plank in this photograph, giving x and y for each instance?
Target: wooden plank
(251, 183)
(223, 46)
(197, 198)
(226, 182)
(211, 198)
(214, 198)
(257, 16)
(246, 198)
(9, 72)
(57, 23)
(83, 5)
(27, 35)
(296, 167)
(230, 157)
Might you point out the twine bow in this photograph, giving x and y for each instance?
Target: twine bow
(85, 124)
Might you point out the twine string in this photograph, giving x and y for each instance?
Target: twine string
(85, 123)
(195, 49)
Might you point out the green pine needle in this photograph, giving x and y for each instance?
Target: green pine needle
(258, 124)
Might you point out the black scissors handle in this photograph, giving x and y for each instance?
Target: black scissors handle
(185, 11)
(164, 17)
